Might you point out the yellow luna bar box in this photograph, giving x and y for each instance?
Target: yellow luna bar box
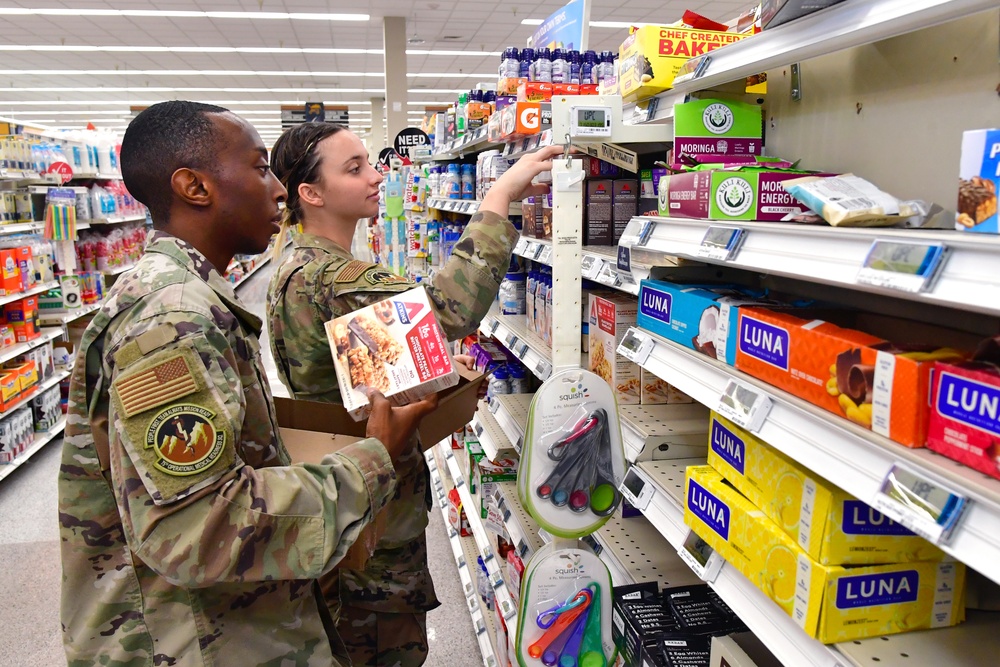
(832, 526)
(831, 603)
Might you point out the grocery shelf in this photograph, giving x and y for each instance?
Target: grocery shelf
(21, 401)
(41, 439)
(845, 25)
(537, 250)
(62, 319)
(471, 142)
(849, 456)
(834, 256)
(116, 220)
(511, 413)
(35, 227)
(523, 529)
(8, 353)
(512, 332)
(635, 552)
(492, 438)
(970, 644)
(520, 147)
(464, 206)
(18, 174)
(465, 552)
(664, 431)
(37, 289)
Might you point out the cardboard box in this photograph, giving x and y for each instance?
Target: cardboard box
(565, 89)
(507, 86)
(964, 421)
(546, 211)
(478, 114)
(832, 526)
(26, 266)
(523, 119)
(27, 375)
(531, 217)
(978, 182)
(654, 390)
(588, 89)
(737, 193)
(10, 388)
(598, 229)
(455, 409)
(776, 12)
(650, 57)
(22, 316)
(487, 474)
(831, 603)
(838, 366)
(716, 127)
(395, 346)
(534, 91)
(10, 273)
(611, 315)
(700, 317)
(624, 204)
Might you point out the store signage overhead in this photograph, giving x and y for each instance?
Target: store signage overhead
(566, 28)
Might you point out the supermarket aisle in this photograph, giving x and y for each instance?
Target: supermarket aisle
(30, 572)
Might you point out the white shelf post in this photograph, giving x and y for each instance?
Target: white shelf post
(567, 247)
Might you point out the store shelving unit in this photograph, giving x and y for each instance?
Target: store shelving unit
(523, 530)
(62, 319)
(48, 383)
(37, 289)
(41, 439)
(511, 414)
(35, 227)
(471, 142)
(492, 438)
(664, 431)
(117, 220)
(513, 332)
(8, 353)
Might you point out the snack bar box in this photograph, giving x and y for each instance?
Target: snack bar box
(716, 127)
(832, 526)
(650, 57)
(395, 346)
(736, 193)
(965, 414)
(978, 182)
(829, 602)
(699, 317)
(874, 383)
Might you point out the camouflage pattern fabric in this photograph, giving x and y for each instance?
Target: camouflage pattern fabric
(381, 639)
(186, 536)
(320, 281)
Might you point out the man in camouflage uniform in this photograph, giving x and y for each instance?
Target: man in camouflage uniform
(383, 613)
(187, 536)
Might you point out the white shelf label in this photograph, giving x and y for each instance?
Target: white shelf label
(520, 350)
(636, 346)
(522, 243)
(607, 276)
(494, 325)
(590, 266)
(494, 406)
(907, 267)
(539, 247)
(745, 406)
(635, 489)
(546, 257)
(701, 558)
(928, 508)
(511, 341)
(721, 243)
(543, 369)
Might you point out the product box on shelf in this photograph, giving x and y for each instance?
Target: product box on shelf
(832, 526)
(831, 603)
(565, 89)
(16, 434)
(10, 388)
(654, 390)
(27, 375)
(22, 316)
(523, 119)
(624, 204)
(776, 12)
(611, 315)
(26, 266)
(638, 614)
(978, 182)
(650, 57)
(10, 272)
(395, 346)
(534, 91)
(700, 317)
(546, 215)
(716, 127)
(508, 86)
(530, 222)
(598, 228)
(736, 193)
(478, 114)
(965, 420)
(846, 367)
(487, 474)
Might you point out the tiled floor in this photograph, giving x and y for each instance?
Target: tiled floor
(30, 574)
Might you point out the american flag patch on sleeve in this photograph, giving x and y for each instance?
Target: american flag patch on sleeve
(165, 382)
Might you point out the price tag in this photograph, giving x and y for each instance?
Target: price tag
(721, 243)
(539, 247)
(546, 256)
(520, 350)
(522, 243)
(543, 369)
(701, 558)
(511, 341)
(640, 113)
(607, 275)
(746, 406)
(904, 266)
(479, 429)
(494, 406)
(927, 507)
(468, 588)
(480, 625)
(587, 265)
(636, 346)
(507, 608)
(594, 544)
(545, 139)
(624, 262)
(496, 580)
(635, 489)
(692, 69)
(595, 269)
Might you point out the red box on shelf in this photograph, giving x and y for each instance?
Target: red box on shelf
(22, 316)
(10, 273)
(965, 414)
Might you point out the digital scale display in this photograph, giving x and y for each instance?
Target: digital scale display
(591, 118)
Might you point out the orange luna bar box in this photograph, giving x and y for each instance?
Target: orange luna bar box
(872, 382)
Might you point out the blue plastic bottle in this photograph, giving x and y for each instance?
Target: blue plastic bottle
(527, 59)
(468, 181)
(560, 66)
(453, 182)
(587, 67)
(573, 57)
(543, 66)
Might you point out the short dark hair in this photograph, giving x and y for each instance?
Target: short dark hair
(160, 140)
(295, 160)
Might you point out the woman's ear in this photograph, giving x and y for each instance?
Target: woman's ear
(190, 186)
(309, 194)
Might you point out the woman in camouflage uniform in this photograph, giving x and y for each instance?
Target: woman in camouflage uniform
(331, 186)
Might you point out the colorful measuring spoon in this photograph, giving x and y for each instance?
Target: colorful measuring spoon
(592, 648)
(565, 619)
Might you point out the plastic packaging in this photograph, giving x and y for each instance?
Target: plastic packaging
(588, 67)
(468, 181)
(560, 66)
(453, 182)
(527, 60)
(573, 58)
(520, 382)
(513, 293)
(499, 383)
(543, 66)
(850, 201)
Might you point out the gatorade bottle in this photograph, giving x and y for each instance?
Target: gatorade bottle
(527, 59)
(461, 114)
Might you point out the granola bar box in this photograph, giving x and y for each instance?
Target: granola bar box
(396, 346)
(611, 315)
(978, 182)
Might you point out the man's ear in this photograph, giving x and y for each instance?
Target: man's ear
(191, 187)
(309, 195)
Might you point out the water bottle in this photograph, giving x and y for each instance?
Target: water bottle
(560, 66)
(468, 181)
(499, 383)
(512, 293)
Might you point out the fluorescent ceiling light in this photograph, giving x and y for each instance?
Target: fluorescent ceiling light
(152, 13)
(450, 75)
(140, 103)
(445, 52)
(115, 48)
(532, 21)
(593, 24)
(73, 113)
(169, 89)
(226, 72)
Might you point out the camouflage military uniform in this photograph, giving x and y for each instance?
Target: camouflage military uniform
(187, 538)
(316, 283)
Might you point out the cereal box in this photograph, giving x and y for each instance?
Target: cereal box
(610, 317)
(395, 346)
(978, 181)
(831, 603)
(832, 526)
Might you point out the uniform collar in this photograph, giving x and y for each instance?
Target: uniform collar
(303, 240)
(191, 259)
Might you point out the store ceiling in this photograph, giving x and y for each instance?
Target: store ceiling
(54, 73)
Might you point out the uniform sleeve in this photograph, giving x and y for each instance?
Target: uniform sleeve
(462, 291)
(192, 509)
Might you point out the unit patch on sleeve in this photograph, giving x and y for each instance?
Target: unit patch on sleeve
(380, 276)
(185, 440)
